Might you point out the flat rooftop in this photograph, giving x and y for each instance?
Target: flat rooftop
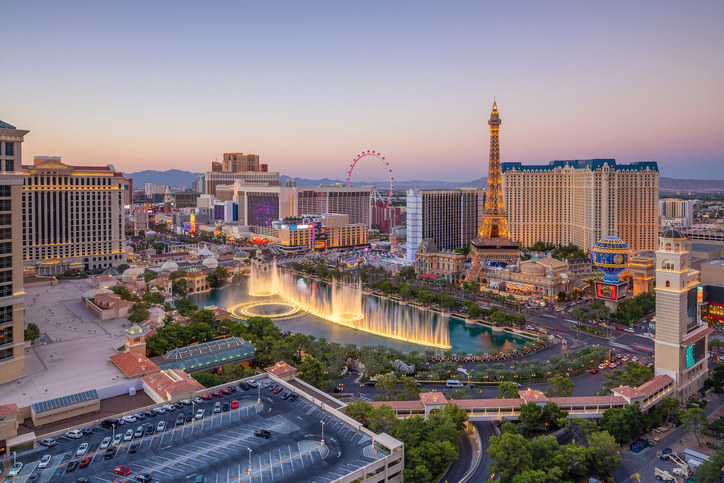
(75, 358)
(218, 445)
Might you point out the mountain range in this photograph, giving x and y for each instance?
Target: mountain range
(177, 178)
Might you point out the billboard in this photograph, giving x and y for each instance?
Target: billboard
(695, 352)
(691, 307)
(611, 291)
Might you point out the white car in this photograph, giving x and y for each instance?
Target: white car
(629, 329)
(75, 434)
(117, 439)
(197, 400)
(128, 436)
(160, 426)
(130, 418)
(160, 410)
(44, 461)
(106, 442)
(82, 449)
(16, 469)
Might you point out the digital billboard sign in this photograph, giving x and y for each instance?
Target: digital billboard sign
(611, 291)
(695, 352)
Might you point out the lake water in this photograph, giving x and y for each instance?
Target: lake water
(451, 329)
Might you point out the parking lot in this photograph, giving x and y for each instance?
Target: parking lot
(217, 445)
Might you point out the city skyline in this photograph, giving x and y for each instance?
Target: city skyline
(308, 87)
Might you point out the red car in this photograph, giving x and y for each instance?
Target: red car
(277, 390)
(593, 371)
(216, 393)
(85, 461)
(206, 396)
(122, 470)
(226, 391)
(234, 404)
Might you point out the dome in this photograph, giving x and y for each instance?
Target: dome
(132, 273)
(135, 329)
(242, 255)
(610, 255)
(210, 262)
(169, 266)
(672, 233)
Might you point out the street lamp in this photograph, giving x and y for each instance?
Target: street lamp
(258, 399)
(322, 442)
(249, 462)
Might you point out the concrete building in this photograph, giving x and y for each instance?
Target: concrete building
(320, 232)
(449, 217)
(262, 205)
(681, 345)
(72, 215)
(185, 199)
(582, 201)
(446, 264)
(642, 270)
(12, 307)
(242, 168)
(353, 201)
(679, 213)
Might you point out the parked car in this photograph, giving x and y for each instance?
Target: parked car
(200, 413)
(180, 420)
(593, 371)
(143, 477)
(160, 410)
(216, 394)
(128, 436)
(122, 470)
(75, 434)
(217, 407)
(189, 416)
(206, 396)
(161, 426)
(234, 404)
(106, 443)
(293, 397)
(277, 390)
(16, 469)
(49, 442)
(110, 453)
(139, 432)
(225, 390)
(225, 407)
(149, 430)
(285, 396)
(262, 433)
(197, 400)
(82, 450)
(118, 439)
(44, 461)
(71, 466)
(87, 430)
(130, 418)
(85, 461)
(134, 447)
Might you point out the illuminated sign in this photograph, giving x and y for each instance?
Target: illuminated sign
(611, 291)
(694, 352)
(192, 224)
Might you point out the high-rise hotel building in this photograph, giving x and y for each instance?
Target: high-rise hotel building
(12, 307)
(242, 168)
(582, 201)
(72, 216)
(448, 217)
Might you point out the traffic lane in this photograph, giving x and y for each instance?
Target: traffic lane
(464, 461)
(486, 429)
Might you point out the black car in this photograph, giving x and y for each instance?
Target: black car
(293, 397)
(149, 430)
(233, 388)
(134, 448)
(225, 407)
(244, 386)
(109, 423)
(189, 416)
(87, 430)
(71, 466)
(143, 477)
(82, 479)
(180, 420)
(110, 453)
(33, 478)
(262, 433)
(150, 414)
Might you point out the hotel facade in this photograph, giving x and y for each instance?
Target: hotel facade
(12, 307)
(72, 216)
(582, 201)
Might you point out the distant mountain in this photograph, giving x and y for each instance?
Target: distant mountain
(691, 185)
(176, 177)
(171, 177)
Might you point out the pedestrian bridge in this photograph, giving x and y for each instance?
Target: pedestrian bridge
(589, 407)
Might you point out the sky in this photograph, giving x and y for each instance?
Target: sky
(309, 85)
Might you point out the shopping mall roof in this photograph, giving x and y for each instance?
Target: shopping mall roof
(208, 354)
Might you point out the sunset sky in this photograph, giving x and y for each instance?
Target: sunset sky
(309, 84)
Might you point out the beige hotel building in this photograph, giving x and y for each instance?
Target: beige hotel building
(582, 201)
(12, 307)
(72, 216)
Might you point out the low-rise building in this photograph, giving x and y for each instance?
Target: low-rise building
(197, 281)
(447, 264)
(320, 232)
(107, 306)
(170, 385)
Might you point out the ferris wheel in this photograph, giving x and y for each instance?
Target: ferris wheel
(385, 164)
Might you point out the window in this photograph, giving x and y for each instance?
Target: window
(9, 148)
(6, 335)
(6, 354)
(9, 165)
(4, 190)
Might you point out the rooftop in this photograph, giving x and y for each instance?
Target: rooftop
(208, 354)
(4, 125)
(591, 164)
(133, 364)
(65, 401)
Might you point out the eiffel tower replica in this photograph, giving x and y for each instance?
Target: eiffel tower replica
(493, 245)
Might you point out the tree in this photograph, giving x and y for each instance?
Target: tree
(554, 416)
(382, 419)
(624, 424)
(509, 455)
(185, 306)
(179, 286)
(530, 416)
(410, 390)
(206, 379)
(202, 316)
(604, 451)
(388, 384)
(508, 390)
(32, 332)
(153, 298)
(716, 378)
(668, 409)
(139, 313)
(559, 386)
(312, 371)
(710, 470)
(217, 277)
(359, 411)
(694, 422)
(149, 275)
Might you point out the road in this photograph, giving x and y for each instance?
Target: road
(462, 464)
